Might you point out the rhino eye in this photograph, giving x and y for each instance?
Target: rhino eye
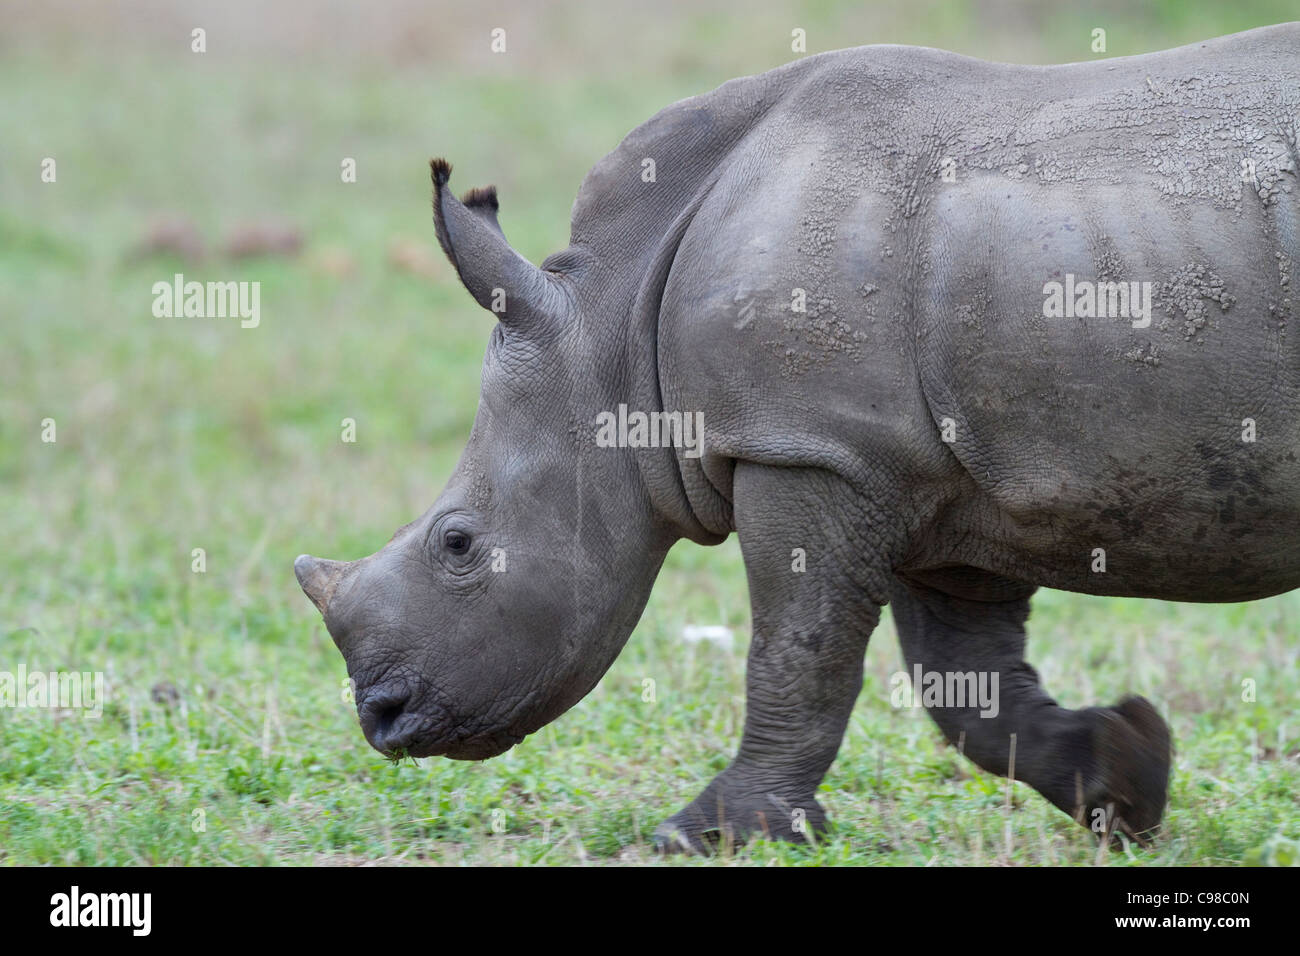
(457, 542)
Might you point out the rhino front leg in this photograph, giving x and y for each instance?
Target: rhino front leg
(815, 600)
(1108, 767)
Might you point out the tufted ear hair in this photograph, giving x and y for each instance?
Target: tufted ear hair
(499, 279)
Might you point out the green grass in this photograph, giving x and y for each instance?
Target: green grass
(177, 434)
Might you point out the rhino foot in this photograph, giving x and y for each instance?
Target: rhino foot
(1133, 752)
(722, 818)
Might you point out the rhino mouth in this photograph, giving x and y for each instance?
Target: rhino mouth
(483, 747)
(396, 730)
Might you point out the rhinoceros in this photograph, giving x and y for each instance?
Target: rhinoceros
(951, 330)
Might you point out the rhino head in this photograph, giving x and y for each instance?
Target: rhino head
(503, 604)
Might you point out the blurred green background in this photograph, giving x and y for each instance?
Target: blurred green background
(226, 706)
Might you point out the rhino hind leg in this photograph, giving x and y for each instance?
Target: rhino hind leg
(1108, 767)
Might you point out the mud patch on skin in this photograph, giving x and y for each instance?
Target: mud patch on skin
(814, 338)
(1109, 264)
(1187, 292)
(1209, 137)
(1146, 355)
(972, 313)
(1208, 153)
(480, 490)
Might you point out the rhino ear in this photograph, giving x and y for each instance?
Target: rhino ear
(499, 279)
(482, 201)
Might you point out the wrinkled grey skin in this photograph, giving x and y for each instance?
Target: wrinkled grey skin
(825, 428)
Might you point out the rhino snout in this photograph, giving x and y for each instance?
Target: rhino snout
(394, 721)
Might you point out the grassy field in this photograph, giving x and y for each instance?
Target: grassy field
(227, 737)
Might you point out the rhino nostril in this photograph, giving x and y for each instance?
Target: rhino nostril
(380, 714)
(385, 719)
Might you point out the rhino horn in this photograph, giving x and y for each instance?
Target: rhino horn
(471, 237)
(318, 578)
